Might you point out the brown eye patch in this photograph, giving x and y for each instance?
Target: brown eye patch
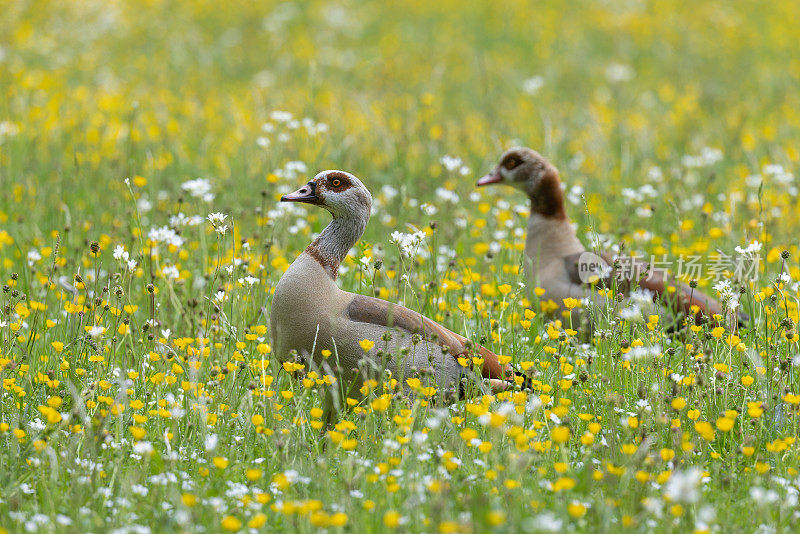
(337, 181)
(511, 161)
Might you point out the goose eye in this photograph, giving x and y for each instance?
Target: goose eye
(336, 182)
(511, 163)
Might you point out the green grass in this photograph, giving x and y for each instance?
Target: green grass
(133, 400)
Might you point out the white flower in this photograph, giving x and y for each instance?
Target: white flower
(216, 218)
(8, 129)
(707, 157)
(429, 209)
(120, 253)
(182, 220)
(643, 353)
(199, 188)
(407, 242)
(95, 331)
(777, 173)
(446, 195)
(750, 250)
(170, 273)
(763, 496)
(631, 313)
(729, 297)
(143, 448)
(547, 522)
(389, 192)
(280, 116)
(532, 85)
(165, 235)
(33, 256)
(619, 72)
(249, 280)
(682, 486)
(454, 164)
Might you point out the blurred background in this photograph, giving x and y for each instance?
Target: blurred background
(695, 99)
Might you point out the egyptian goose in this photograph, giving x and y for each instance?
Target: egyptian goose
(557, 261)
(314, 318)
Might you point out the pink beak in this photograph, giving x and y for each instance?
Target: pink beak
(491, 178)
(307, 193)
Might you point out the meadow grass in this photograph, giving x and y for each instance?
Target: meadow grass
(140, 392)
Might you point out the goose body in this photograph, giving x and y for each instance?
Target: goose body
(554, 256)
(311, 315)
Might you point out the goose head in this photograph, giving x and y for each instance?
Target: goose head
(339, 192)
(528, 171)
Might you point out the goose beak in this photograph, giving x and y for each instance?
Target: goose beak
(491, 178)
(307, 193)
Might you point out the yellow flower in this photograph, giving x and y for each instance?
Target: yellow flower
(257, 521)
(725, 424)
(59, 346)
(381, 403)
(449, 527)
(231, 524)
(220, 462)
(754, 409)
(560, 434)
(747, 381)
(52, 415)
(791, 398)
(576, 509)
(366, 345)
(188, 500)
(496, 517)
(571, 303)
(563, 483)
(705, 430)
(392, 519)
(339, 519)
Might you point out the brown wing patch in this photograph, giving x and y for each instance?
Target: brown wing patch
(380, 312)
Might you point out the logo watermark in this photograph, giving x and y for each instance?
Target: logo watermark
(715, 267)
